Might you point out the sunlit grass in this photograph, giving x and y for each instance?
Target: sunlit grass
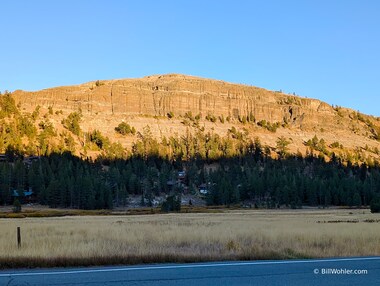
(94, 240)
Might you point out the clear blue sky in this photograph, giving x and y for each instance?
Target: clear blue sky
(325, 49)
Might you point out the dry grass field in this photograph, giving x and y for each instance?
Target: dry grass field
(233, 235)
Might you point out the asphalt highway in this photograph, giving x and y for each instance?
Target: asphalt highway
(341, 271)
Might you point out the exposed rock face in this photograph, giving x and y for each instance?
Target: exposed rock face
(146, 101)
(158, 95)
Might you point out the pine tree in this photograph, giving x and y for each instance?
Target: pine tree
(282, 146)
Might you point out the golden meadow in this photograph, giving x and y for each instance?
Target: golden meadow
(189, 237)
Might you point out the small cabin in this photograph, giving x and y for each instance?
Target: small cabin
(203, 190)
(181, 175)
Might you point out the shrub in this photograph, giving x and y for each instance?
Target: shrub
(47, 127)
(72, 122)
(336, 145)
(98, 139)
(189, 115)
(236, 134)
(125, 129)
(99, 83)
(211, 118)
(186, 122)
(170, 114)
(262, 123)
(171, 204)
(26, 126)
(375, 205)
(272, 127)
(251, 117)
(16, 206)
(242, 119)
(36, 112)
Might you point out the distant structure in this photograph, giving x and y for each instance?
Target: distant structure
(24, 196)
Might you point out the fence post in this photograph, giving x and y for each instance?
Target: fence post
(18, 237)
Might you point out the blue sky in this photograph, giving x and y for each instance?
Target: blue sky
(325, 49)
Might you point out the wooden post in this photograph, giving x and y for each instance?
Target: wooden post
(18, 237)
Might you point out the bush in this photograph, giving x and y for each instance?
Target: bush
(99, 83)
(72, 122)
(251, 117)
(189, 115)
(100, 141)
(36, 112)
(16, 206)
(375, 205)
(171, 204)
(125, 129)
(336, 145)
(242, 119)
(26, 126)
(211, 118)
(272, 127)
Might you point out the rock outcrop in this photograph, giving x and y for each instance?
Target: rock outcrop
(159, 95)
(104, 103)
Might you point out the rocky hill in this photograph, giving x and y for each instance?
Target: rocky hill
(169, 103)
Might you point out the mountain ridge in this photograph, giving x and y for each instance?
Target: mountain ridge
(220, 105)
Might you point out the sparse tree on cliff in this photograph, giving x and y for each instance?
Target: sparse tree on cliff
(72, 122)
(282, 146)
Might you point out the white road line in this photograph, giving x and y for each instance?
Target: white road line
(131, 268)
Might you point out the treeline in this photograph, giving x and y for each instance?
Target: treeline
(64, 180)
(293, 182)
(58, 180)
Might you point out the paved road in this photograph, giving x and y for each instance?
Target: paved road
(289, 272)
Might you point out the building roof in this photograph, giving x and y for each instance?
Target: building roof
(26, 193)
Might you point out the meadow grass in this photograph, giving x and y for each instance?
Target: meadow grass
(40, 211)
(188, 237)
